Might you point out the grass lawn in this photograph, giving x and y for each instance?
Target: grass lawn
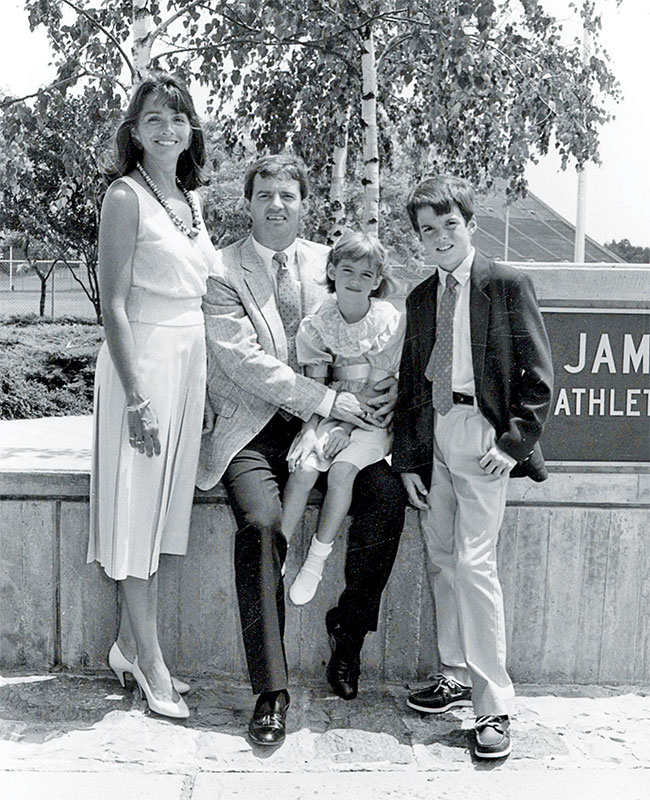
(64, 296)
(47, 367)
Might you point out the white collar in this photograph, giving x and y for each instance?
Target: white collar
(266, 253)
(462, 271)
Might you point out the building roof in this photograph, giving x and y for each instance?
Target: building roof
(536, 232)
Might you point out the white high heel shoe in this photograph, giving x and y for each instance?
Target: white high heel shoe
(167, 708)
(120, 664)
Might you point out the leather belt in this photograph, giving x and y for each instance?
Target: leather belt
(462, 399)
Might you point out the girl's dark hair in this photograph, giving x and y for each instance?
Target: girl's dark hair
(356, 247)
(170, 92)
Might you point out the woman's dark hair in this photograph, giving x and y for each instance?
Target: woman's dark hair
(170, 92)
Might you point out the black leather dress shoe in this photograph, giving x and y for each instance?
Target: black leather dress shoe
(267, 725)
(344, 666)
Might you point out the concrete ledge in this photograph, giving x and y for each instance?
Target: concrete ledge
(573, 560)
(22, 484)
(624, 489)
(613, 286)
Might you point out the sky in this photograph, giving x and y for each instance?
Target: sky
(618, 191)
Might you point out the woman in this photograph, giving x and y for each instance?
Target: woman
(154, 255)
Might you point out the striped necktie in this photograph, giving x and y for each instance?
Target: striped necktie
(439, 368)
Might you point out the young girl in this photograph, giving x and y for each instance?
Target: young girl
(353, 341)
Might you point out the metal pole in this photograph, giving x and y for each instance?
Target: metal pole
(53, 282)
(581, 210)
(581, 216)
(11, 268)
(507, 235)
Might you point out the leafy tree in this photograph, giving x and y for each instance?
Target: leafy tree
(52, 183)
(223, 210)
(633, 254)
(478, 87)
(43, 272)
(34, 254)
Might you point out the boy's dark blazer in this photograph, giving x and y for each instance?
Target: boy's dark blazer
(513, 371)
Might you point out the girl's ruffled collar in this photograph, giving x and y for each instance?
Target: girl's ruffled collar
(347, 338)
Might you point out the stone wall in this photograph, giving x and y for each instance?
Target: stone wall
(574, 559)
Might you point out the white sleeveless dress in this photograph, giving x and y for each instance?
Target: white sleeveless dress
(140, 507)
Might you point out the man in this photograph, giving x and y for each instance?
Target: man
(258, 291)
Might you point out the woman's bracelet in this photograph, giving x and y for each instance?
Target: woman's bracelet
(141, 406)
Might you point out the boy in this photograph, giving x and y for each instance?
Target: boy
(474, 391)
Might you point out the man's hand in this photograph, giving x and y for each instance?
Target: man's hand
(337, 440)
(384, 403)
(415, 489)
(209, 417)
(306, 444)
(347, 408)
(496, 462)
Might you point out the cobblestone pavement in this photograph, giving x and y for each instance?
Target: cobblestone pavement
(66, 736)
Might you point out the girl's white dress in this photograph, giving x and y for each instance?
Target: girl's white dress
(355, 356)
(140, 507)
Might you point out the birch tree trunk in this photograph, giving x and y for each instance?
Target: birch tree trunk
(142, 38)
(337, 185)
(370, 180)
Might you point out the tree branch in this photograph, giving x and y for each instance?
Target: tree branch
(275, 42)
(393, 45)
(10, 101)
(104, 30)
(166, 23)
(232, 17)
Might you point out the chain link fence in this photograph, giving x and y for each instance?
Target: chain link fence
(20, 290)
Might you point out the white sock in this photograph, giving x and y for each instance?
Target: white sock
(304, 587)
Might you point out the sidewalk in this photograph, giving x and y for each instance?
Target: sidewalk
(46, 444)
(68, 737)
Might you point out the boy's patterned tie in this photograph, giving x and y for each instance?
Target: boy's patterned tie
(438, 369)
(288, 306)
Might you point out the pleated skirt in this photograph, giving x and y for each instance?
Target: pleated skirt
(140, 507)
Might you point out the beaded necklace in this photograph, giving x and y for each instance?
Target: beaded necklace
(192, 232)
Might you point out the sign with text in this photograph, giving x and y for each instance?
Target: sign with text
(601, 404)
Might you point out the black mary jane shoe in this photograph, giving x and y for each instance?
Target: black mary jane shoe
(344, 666)
(267, 726)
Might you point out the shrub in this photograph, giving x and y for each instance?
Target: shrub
(47, 367)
